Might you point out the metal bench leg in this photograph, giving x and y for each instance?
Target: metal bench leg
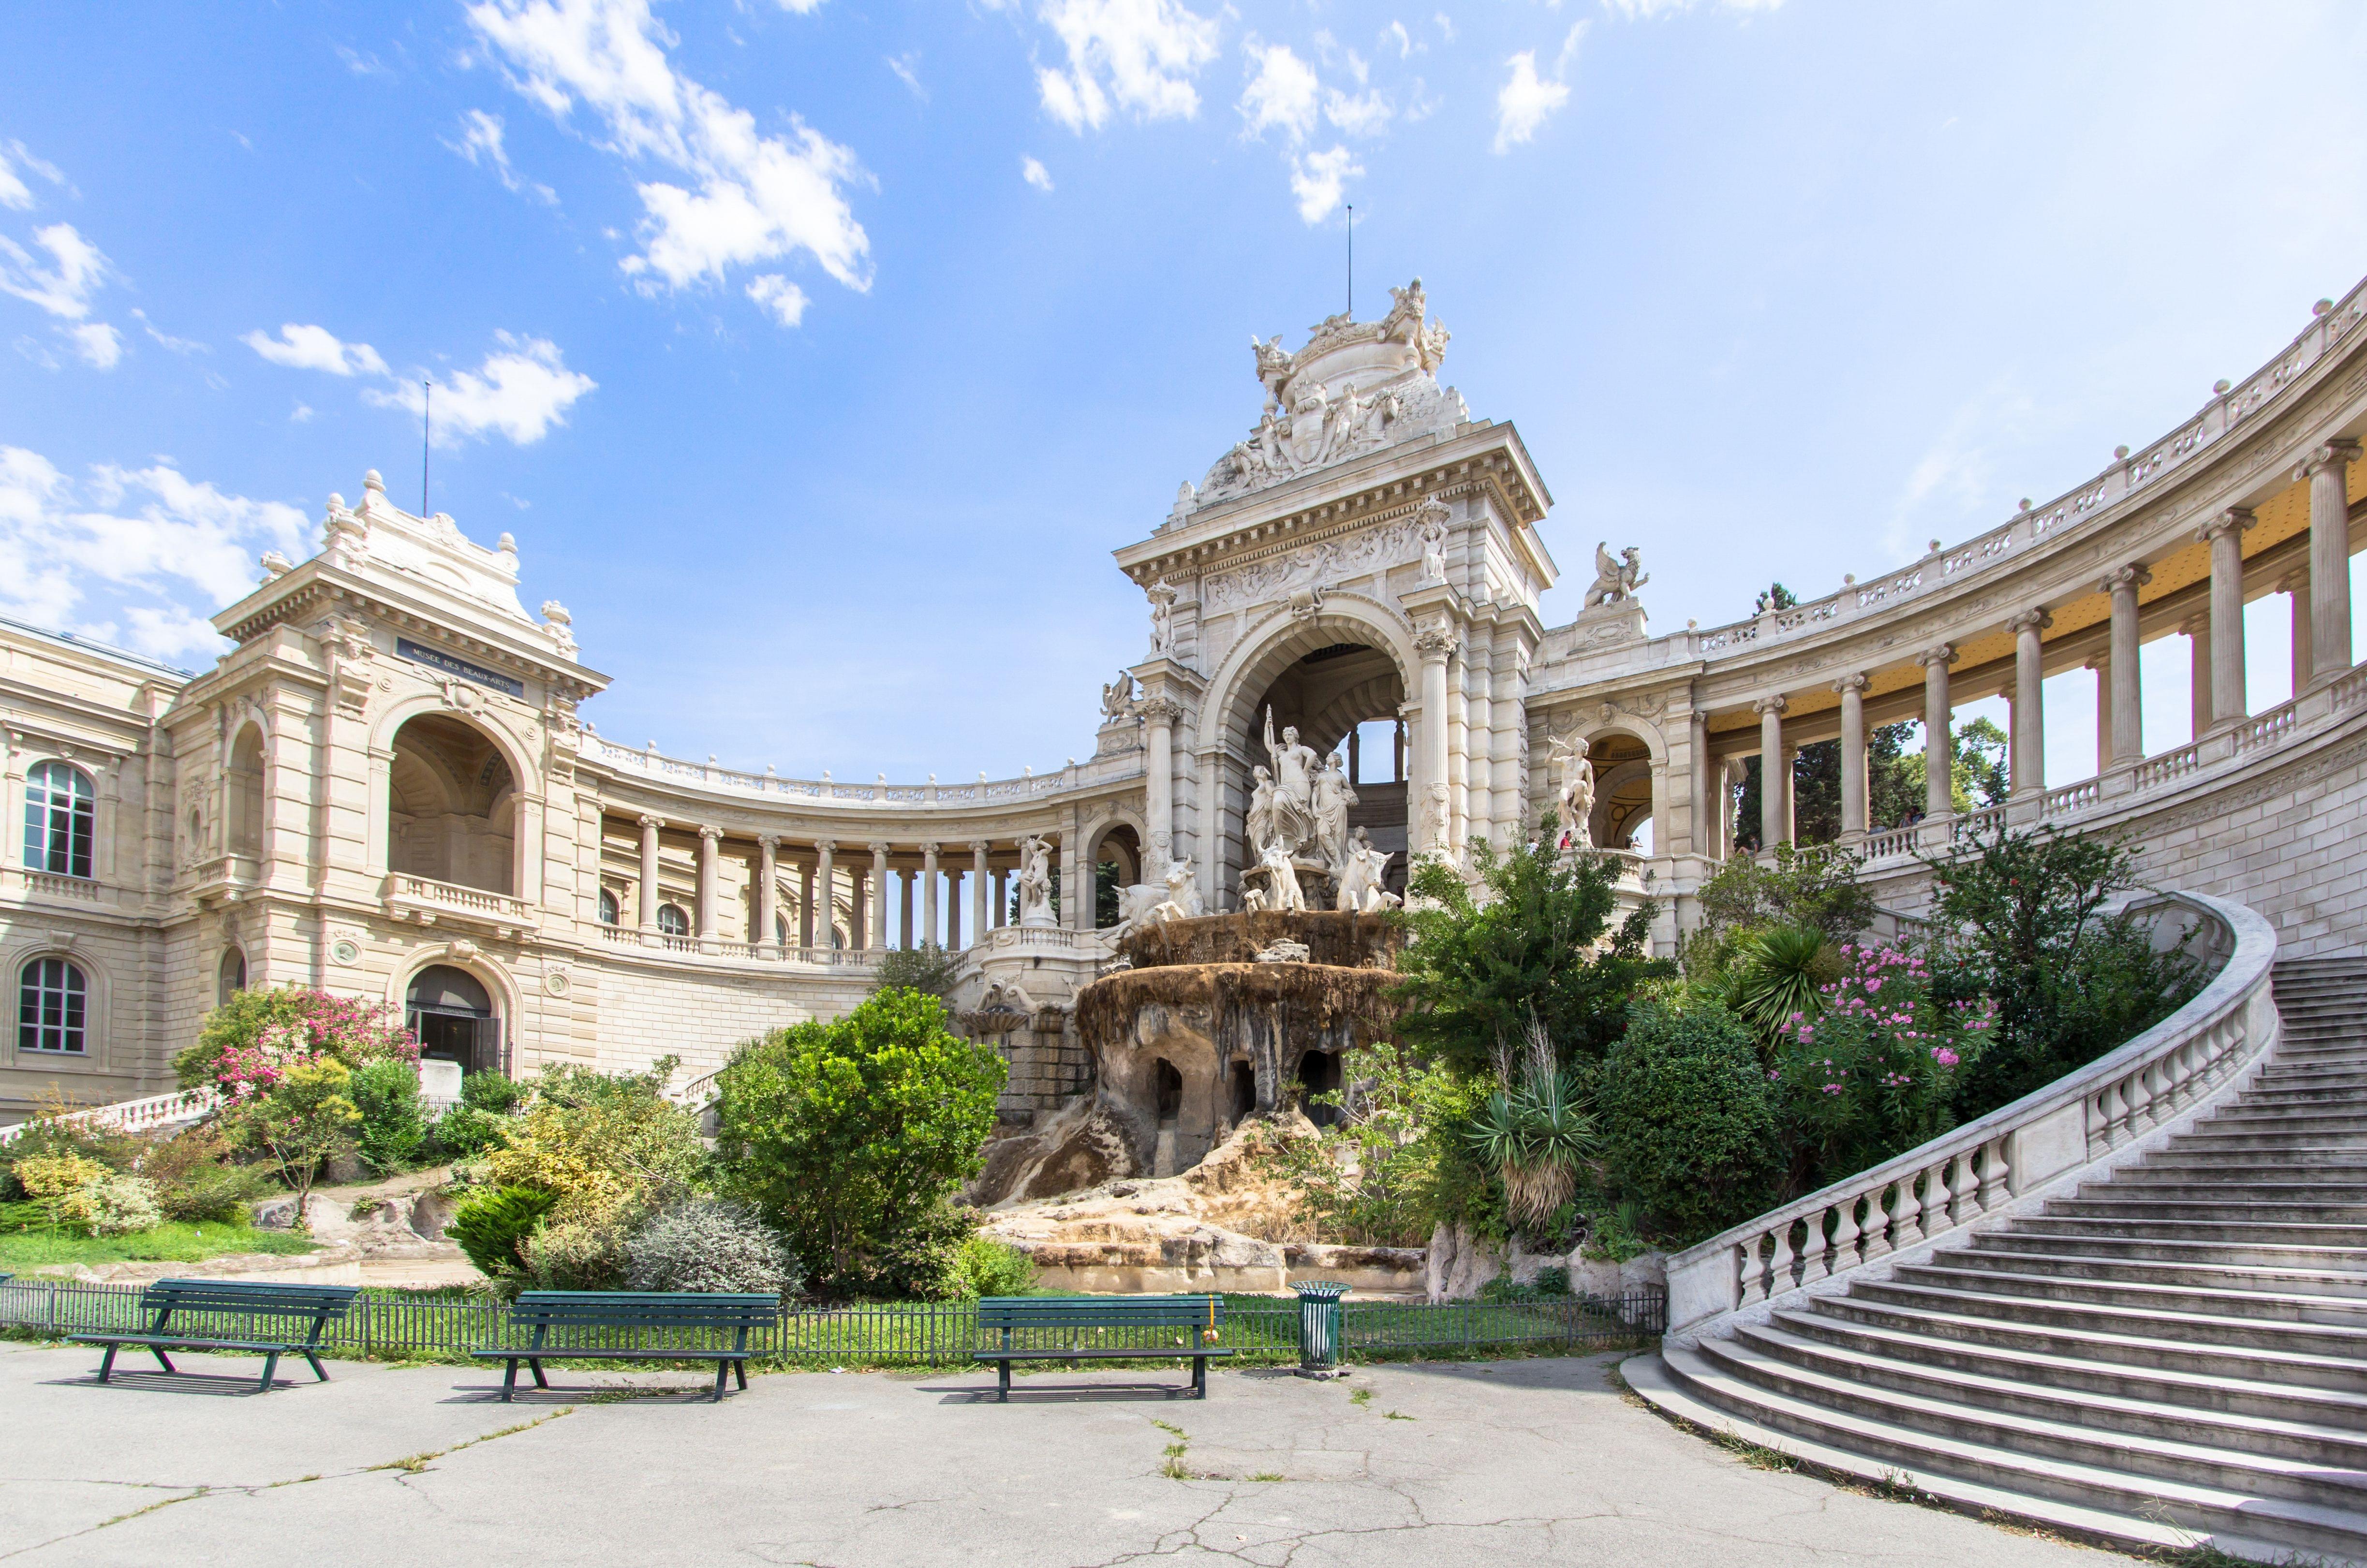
(1003, 1369)
(509, 1381)
(270, 1365)
(318, 1371)
(740, 1369)
(162, 1359)
(106, 1363)
(722, 1379)
(1199, 1377)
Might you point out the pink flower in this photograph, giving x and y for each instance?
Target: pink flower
(1944, 1056)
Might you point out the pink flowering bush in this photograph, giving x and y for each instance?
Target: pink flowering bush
(251, 1043)
(1870, 1072)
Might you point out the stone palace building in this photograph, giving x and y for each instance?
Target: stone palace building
(393, 785)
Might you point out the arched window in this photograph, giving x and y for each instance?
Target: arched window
(672, 922)
(232, 977)
(50, 997)
(781, 929)
(60, 813)
(607, 908)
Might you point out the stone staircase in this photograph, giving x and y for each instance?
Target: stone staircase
(2179, 1351)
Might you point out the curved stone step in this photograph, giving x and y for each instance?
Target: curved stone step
(2118, 1203)
(2000, 1252)
(2089, 1499)
(2093, 1242)
(2140, 1321)
(1964, 1271)
(2230, 1232)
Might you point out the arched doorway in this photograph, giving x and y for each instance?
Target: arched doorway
(453, 1015)
(1623, 789)
(1117, 863)
(453, 807)
(1343, 699)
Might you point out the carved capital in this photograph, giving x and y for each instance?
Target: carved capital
(648, 821)
(881, 849)
(2127, 579)
(2333, 454)
(711, 834)
(1434, 641)
(982, 846)
(1857, 682)
(1162, 710)
(2196, 624)
(1765, 705)
(2235, 520)
(929, 850)
(826, 846)
(768, 842)
(1944, 656)
(2294, 581)
(2029, 621)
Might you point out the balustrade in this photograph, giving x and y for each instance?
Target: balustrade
(2070, 799)
(2351, 691)
(1029, 785)
(1890, 842)
(2267, 729)
(82, 888)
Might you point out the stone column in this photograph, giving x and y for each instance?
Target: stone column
(1002, 897)
(2295, 587)
(1159, 715)
(2030, 701)
(806, 906)
(1480, 737)
(648, 889)
(823, 931)
(709, 839)
(2101, 667)
(1434, 642)
(2120, 709)
(953, 909)
(2198, 631)
(768, 864)
(1075, 878)
(1732, 772)
(1775, 791)
(1509, 816)
(2224, 534)
(930, 930)
(904, 906)
(2328, 470)
(859, 906)
(1458, 749)
(1701, 838)
(1853, 781)
(980, 889)
(1939, 743)
(878, 895)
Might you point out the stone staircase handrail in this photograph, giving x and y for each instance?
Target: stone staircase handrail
(129, 1115)
(2041, 1141)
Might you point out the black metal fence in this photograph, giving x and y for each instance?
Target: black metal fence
(392, 1324)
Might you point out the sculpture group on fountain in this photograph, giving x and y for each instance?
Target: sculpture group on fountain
(1298, 823)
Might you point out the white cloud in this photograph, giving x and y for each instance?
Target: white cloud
(1445, 25)
(1036, 174)
(1283, 93)
(1148, 50)
(1367, 114)
(783, 300)
(1319, 180)
(1644, 9)
(800, 8)
(150, 546)
(750, 198)
(64, 287)
(177, 344)
(1527, 100)
(99, 345)
(482, 142)
(1395, 36)
(907, 69)
(316, 348)
(520, 391)
(300, 414)
(14, 191)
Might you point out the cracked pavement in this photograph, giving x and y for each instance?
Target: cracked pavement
(1512, 1462)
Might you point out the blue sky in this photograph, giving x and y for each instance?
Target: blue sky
(818, 353)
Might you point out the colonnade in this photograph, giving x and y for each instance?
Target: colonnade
(895, 894)
(2318, 588)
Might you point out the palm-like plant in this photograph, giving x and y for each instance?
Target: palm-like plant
(1533, 1131)
(1775, 976)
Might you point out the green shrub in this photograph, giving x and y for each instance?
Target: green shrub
(493, 1227)
(198, 1180)
(709, 1244)
(851, 1138)
(992, 1268)
(576, 1255)
(496, 1094)
(1774, 977)
(1689, 1123)
(48, 1136)
(611, 1145)
(390, 1134)
(464, 1131)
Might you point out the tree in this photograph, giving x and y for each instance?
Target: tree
(1894, 781)
(305, 1118)
(244, 1043)
(2025, 921)
(928, 969)
(1689, 1121)
(1815, 886)
(1776, 596)
(852, 1137)
(1477, 976)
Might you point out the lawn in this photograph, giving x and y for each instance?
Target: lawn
(166, 1244)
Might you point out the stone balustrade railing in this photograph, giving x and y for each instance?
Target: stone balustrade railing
(131, 1115)
(759, 951)
(2014, 1157)
(878, 795)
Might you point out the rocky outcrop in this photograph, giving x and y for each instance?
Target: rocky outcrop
(1083, 1145)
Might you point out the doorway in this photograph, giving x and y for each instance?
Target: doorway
(451, 1012)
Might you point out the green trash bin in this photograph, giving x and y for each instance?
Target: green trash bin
(1318, 1324)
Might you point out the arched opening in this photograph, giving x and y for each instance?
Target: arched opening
(672, 922)
(454, 806)
(232, 978)
(1335, 697)
(1117, 863)
(609, 908)
(452, 1013)
(1623, 789)
(246, 793)
(1319, 1073)
(1170, 1092)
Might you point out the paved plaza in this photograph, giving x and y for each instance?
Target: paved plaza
(1508, 1463)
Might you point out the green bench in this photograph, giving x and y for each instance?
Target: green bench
(1145, 1328)
(578, 1313)
(306, 1310)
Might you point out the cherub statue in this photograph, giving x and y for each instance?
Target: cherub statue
(1575, 794)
